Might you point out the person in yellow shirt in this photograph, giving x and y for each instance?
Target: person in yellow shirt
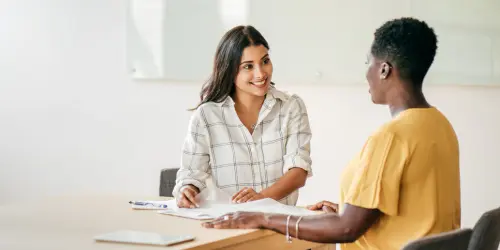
(405, 182)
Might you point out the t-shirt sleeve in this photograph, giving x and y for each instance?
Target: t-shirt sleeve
(376, 182)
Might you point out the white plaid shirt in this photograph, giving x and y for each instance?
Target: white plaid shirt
(220, 146)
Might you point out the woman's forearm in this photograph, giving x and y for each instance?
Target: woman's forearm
(292, 180)
(324, 228)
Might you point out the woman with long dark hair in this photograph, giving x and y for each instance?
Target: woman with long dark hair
(251, 138)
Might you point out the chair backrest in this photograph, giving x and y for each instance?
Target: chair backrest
(457, 240)
(486, 233)
(167, 181)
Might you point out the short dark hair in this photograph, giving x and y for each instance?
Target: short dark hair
(409, 45)
(227, 60)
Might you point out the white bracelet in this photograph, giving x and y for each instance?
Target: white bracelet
(297, 228)
(288, 238)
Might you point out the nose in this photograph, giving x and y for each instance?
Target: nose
(258, 73)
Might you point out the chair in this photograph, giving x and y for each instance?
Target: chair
(486, 234)
(167, 181)
(456, 240)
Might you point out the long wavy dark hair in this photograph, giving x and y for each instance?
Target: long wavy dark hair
(227, 59)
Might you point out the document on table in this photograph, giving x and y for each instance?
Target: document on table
(212, 210)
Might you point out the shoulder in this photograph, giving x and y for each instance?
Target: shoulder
(207, 109)
(388, 128)
(386, 134)
(289, 100)
(416, 124)
(211, 113)
(385, 145)
(391, 135)
(199, 115)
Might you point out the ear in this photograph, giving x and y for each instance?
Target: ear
(385, 70)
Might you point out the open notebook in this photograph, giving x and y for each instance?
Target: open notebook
(212, 210)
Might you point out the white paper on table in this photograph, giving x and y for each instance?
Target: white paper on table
(211, 196)
(213, 209)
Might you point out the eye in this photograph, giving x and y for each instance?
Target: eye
(267, 60)
(248, 66)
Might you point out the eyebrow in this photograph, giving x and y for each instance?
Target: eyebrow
(266, 55)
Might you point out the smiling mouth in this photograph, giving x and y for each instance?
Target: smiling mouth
(259, 84)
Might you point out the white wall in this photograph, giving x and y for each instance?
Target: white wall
(71, 120)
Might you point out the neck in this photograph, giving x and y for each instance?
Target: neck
(402, 99)
(248, 103)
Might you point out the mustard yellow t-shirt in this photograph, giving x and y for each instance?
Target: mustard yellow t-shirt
(409, 170)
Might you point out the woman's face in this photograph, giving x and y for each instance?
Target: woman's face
(254, 72)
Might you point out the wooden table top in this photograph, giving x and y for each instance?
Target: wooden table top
(71, 222)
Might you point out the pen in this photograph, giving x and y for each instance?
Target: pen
(140, 203)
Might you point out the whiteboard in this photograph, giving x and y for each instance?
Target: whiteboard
(311, 42)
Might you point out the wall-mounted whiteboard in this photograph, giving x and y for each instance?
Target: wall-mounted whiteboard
(312, 42)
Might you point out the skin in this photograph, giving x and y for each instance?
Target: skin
(326, 206)
(386, 87)
(187, 198)
(329, 227)
(252, 84)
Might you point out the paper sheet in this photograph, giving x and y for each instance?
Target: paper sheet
(205, 198)
(215, 202)
(214, 209)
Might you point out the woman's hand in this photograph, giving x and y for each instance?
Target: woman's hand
(187, 197)
(247, 194)
(326, 206)
(243, 220)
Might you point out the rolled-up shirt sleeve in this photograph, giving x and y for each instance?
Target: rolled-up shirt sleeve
(195, 161)
(298, 142)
